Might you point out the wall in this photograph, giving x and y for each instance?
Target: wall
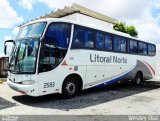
(3, 67)
(89, 20)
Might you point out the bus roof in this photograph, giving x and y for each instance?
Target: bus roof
(75, 8)
(93, 26)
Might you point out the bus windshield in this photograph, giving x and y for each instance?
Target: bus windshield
(24, 53)
(24, 56)
(32, 30)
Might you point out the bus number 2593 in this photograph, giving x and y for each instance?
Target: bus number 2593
(49, 84)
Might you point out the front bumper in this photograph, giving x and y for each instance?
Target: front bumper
(31, 90)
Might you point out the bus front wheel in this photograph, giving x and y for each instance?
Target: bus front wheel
(69, 88)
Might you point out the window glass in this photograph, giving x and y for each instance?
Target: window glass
(108, 42)
(154, 50)
(83, 37)
(99, 40)
(120, 44)
(142, 48)
(58, 34)
(123, 45)
(117, 43)
(25, 60)
(79, 37)
(151, 50)
(32, 30)
(133, 46)
(55, 46)
(89, 38)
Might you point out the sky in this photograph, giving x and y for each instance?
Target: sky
(143, 14)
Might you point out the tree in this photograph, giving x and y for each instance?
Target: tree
(121, 26)
(132, 31)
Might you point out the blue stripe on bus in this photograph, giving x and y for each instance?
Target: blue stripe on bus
(113, 81)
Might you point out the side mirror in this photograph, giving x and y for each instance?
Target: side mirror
(5, 49)
(5, 45)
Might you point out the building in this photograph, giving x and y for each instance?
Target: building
(4, 61)
(82, 15)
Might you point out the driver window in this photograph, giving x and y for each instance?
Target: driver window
(55, 46)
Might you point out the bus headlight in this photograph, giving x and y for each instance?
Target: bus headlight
(28, 82)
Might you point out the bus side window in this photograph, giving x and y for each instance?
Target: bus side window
(108, 42)
(133, 46)
(89, 38)
(142, 48)
(120, 44)
(151, 50)
(78, 40)
(83, 37)
(117, 44)
(54, 46)
(99, 40)
(123, 45)
(154, 50)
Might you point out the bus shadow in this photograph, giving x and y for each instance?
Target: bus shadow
(87, 98)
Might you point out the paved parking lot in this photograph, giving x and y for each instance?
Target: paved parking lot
(111, 100)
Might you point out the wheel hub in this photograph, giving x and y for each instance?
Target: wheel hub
(70, 88)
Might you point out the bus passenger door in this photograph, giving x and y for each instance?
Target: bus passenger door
(91, 76)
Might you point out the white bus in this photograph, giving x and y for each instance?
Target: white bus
(62, 56)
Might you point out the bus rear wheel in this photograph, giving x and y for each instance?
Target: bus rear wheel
(69, 88)
(138, 79)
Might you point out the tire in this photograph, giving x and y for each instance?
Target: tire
(138, 79)
(69, 88)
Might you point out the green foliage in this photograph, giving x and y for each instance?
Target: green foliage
(132, 31)
(120, 26)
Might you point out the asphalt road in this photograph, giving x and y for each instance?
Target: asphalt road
(123, 99)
